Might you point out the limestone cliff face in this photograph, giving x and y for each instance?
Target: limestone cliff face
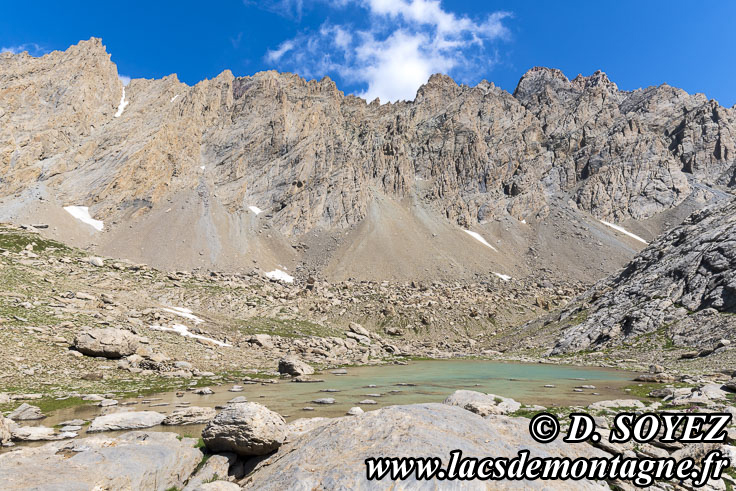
(49, 105)
(684, 282)
(315, 159)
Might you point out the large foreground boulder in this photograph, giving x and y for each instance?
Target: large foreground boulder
(245, 428)
(332, 456)
(291, 365)
(135, 460)
(110, 342)
(133, 420)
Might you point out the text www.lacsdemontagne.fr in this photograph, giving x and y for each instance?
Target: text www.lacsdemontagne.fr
(640, 471)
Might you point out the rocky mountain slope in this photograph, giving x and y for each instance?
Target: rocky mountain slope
(276, 172)
(56, 297)
(675, 300)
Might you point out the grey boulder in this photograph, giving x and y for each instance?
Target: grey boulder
(110, 342)
(26, 412)
(292, 365)
(245, 428)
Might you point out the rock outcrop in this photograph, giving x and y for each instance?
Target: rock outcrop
(333, 455)
(684, 282)
(135, 460)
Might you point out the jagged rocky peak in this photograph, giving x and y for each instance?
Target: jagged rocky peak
(598, 79)
(538, 78)
(438, 85)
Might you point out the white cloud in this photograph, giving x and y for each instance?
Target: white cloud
(398, 46)
(124, 78)
(274, 55)
(32, 48)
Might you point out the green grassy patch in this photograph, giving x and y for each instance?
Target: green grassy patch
(17, 240)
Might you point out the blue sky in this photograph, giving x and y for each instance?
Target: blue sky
(387, 48)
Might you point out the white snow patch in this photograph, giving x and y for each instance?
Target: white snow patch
(81, 213)
(202, 167)
(255, 210)
(480, 239)
(174, 98)
(184, 331)
(279, 275)
(504, 277)
(624, 231)
(183, 312)
(122, 105)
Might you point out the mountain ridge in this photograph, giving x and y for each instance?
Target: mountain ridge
(316, 161)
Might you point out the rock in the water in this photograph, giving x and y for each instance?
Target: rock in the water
(135, 460)
(125, 421)
(354, 411)
(246, 429)
(39, 434)
(294, 366)
(26, 412)
(324, 400)
(306, 379)
(110, 343)
(482, 404)
(333, 456)
(190, 416)
(203, 391)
